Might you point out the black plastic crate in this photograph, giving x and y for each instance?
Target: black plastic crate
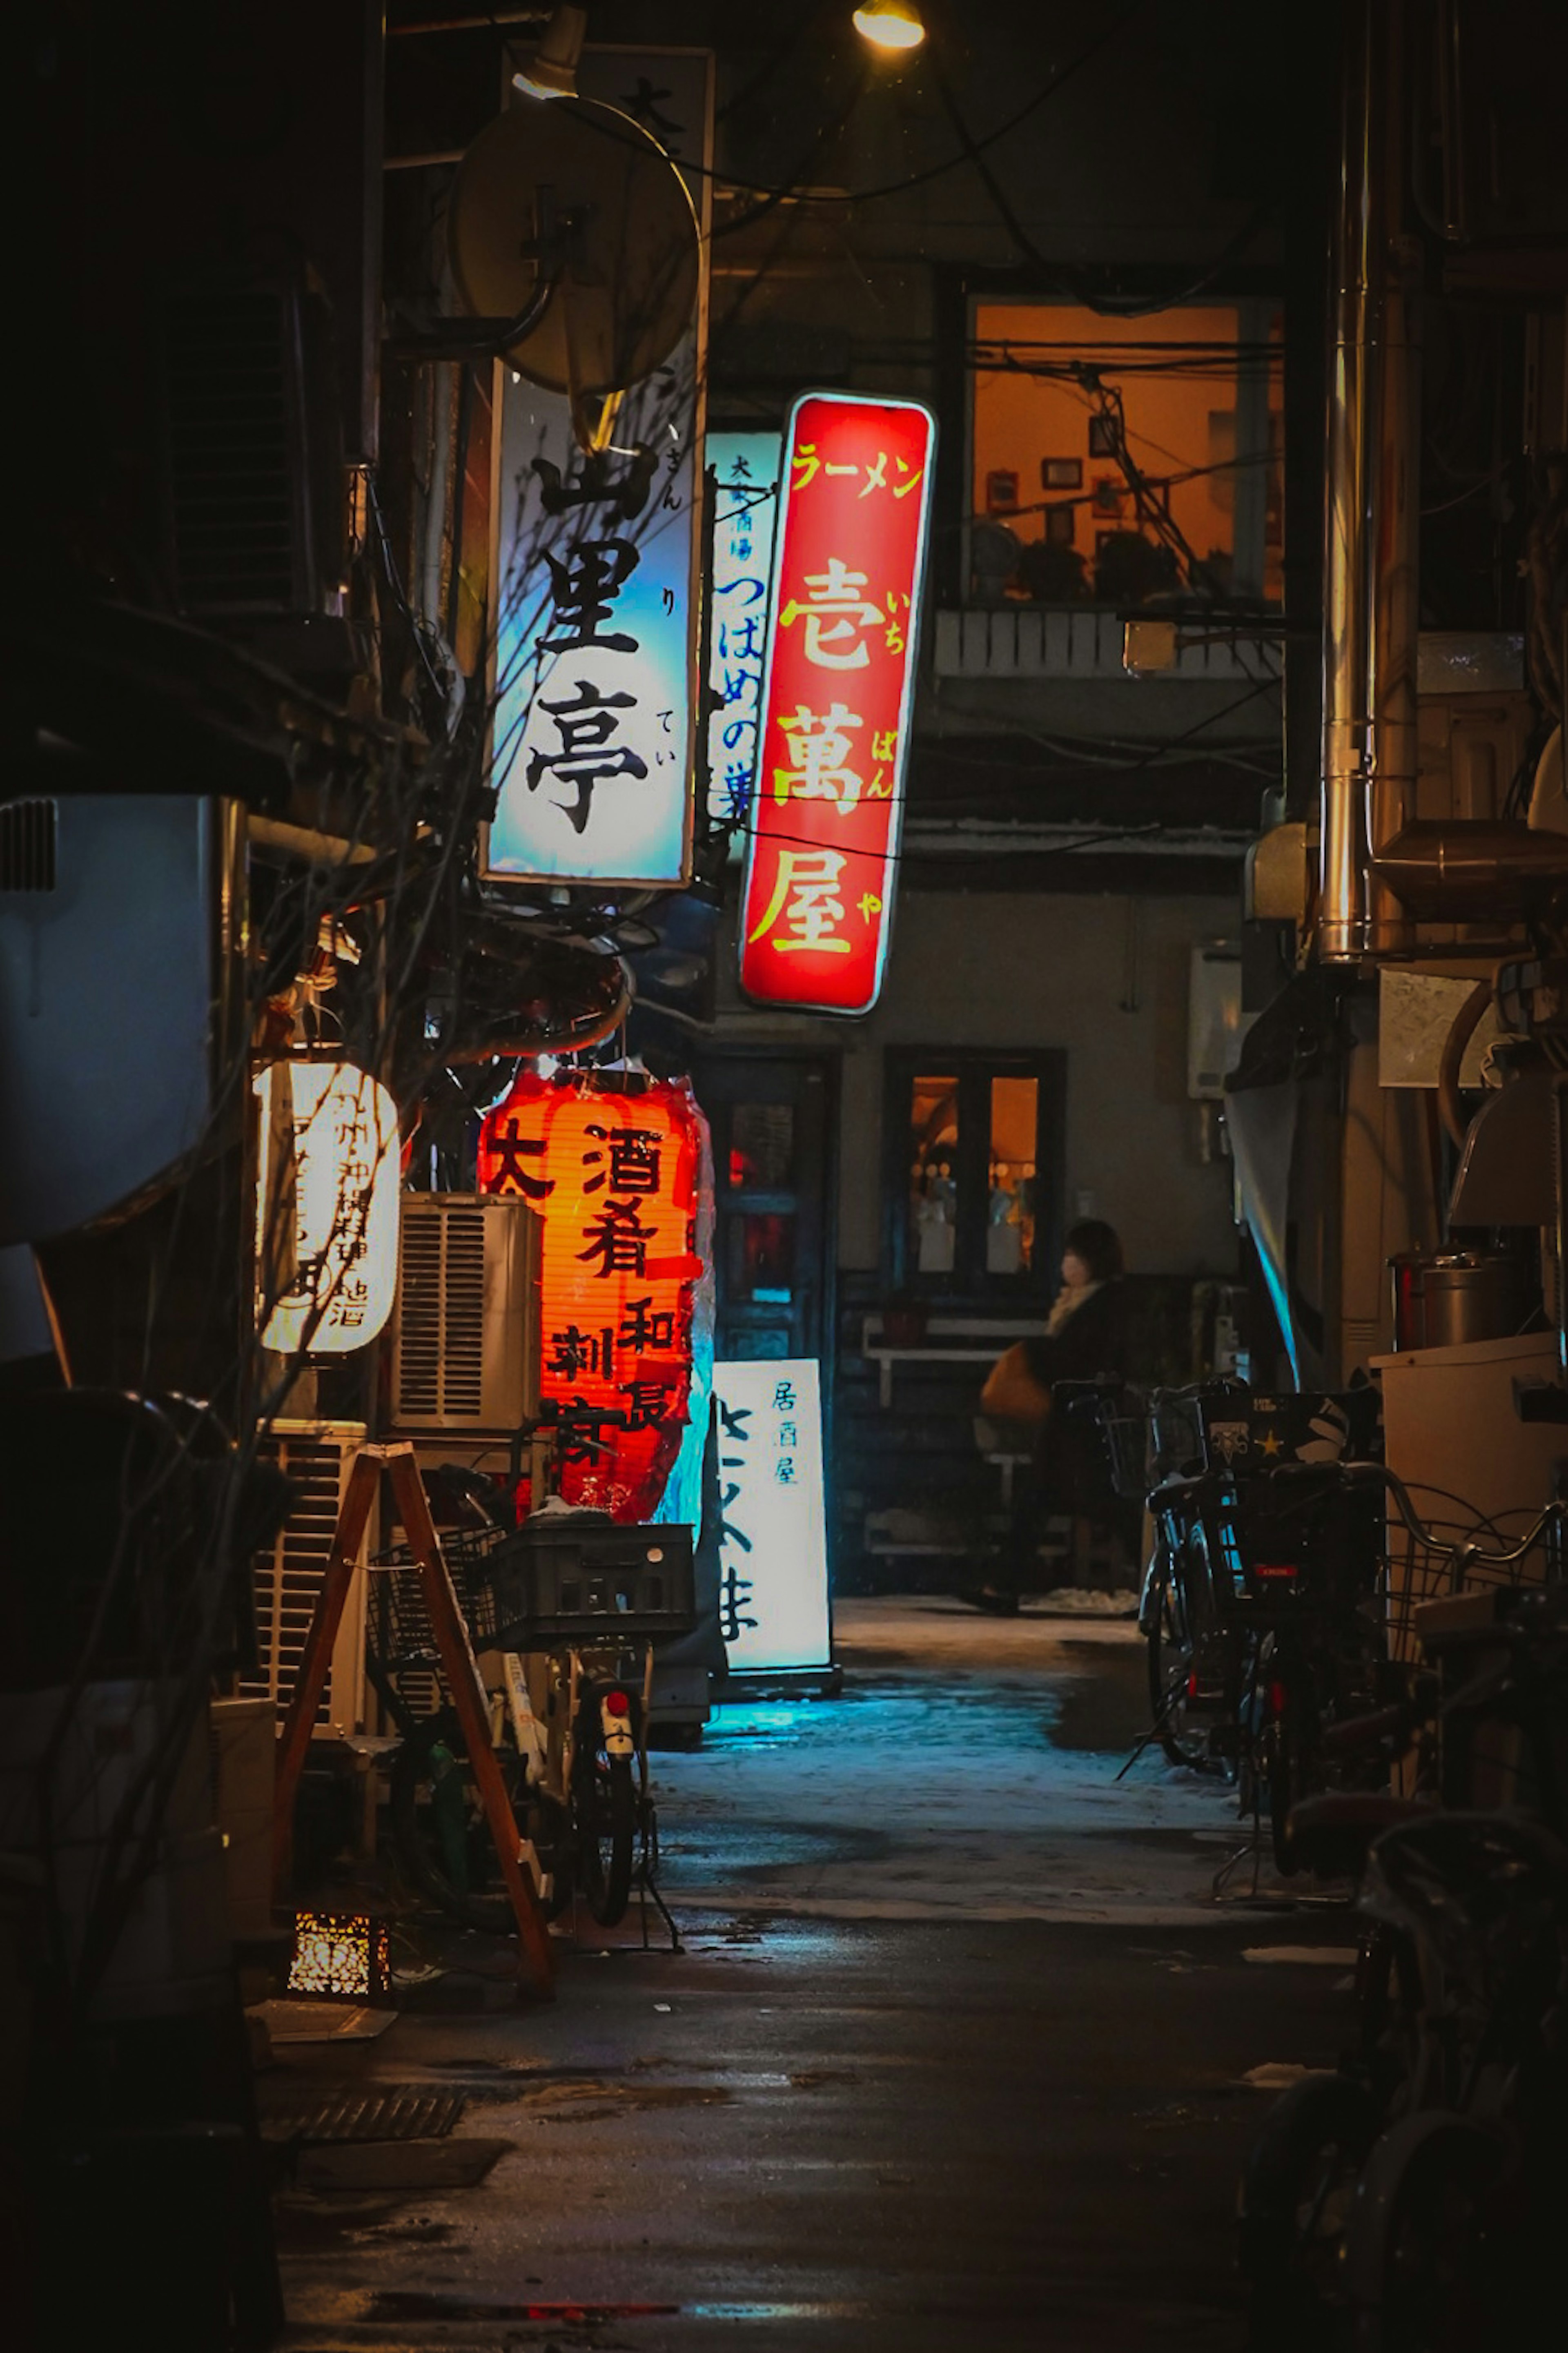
(571, 1580)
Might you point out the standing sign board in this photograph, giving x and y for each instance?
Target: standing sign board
(772, 1592)
(816, 908)
(599, 562)
(745, 471)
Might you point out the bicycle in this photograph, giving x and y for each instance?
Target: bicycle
(1154, 1441)
(1377, 2201)
(564, 1610)
(1263, 1622)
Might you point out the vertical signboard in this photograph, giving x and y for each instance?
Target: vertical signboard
(329, 1189)
(745, 471)
(598, 572)
(613, 1174)
(822, 859)
(772, 1592)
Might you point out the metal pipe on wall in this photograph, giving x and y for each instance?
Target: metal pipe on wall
(1370, 552)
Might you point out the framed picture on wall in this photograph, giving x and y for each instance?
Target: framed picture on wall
(1102, 437)
(1061, 473)
(1002, 492)
(1108, 495)
(1061, 526)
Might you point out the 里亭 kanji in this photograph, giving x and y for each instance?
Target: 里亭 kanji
(586, 756)
(584, 586)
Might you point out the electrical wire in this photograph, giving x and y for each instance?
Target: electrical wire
(776, 194)
(974, 150)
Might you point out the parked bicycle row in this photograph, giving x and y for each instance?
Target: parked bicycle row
(1390, 1692)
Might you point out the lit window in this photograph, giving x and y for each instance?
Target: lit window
(975, 1192)
(1126, 461)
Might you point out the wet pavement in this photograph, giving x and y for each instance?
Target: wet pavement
(960, 2050)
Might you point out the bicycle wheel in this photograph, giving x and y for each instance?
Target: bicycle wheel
(1440, 2287)
(443, 1840)
(605, 1810)
(1170, 1656)
(1295, 2199)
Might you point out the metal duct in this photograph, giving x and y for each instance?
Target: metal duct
(1380, 870)
(1477, 868)
(1373, 527)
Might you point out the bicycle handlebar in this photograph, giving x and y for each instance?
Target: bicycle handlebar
(1366, 1474)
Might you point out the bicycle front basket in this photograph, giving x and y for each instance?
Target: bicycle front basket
(573, 1579)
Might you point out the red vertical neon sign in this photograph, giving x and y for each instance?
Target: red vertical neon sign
(833, 747)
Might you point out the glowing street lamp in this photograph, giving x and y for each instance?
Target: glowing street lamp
(327, 1207)
(891, 24)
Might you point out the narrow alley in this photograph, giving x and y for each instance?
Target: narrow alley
(960, 2050)
(784, 1178)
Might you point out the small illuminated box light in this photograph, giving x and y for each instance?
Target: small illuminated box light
(343, 1955)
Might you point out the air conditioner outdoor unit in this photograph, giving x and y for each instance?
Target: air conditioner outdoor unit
(317, 1456)
(465, 1350)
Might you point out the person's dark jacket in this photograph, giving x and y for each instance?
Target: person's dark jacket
(1070, 1464)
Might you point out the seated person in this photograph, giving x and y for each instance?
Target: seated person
(1085, 1339)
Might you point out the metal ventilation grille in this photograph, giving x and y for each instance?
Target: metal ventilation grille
(28, 832)
(463, 1369)
(233, 395)
(443, 1315)
(419, 1316)
(288, 1576)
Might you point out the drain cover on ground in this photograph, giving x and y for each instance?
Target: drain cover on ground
(390, 2112)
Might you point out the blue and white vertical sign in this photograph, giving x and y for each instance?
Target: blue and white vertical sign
(745, 468)
(598, 565)
(773, 1594)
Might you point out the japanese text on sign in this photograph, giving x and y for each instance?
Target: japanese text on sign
(773, 1595)
(834, 727)
(595, 731)
(613, 1175)
(745, 469)
(327, 1207)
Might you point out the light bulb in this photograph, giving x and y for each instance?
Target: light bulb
(890, 24)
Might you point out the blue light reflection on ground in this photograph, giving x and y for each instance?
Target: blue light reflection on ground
(777, 2311)
(749, 1719)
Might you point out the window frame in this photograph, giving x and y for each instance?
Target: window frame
(970, 1284)
(960, 291)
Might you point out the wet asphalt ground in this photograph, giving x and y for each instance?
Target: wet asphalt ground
(961, 2050)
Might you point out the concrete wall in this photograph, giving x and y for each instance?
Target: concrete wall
(1103, 978)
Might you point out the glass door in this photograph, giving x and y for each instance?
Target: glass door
(769, 1114)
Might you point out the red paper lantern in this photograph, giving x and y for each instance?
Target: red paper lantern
(613, 1171)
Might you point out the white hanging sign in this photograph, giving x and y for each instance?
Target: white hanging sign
(773, 1600)
(745, 468)
(326, 1257)
(594, 728)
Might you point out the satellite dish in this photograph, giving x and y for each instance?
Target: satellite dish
(576, 202)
